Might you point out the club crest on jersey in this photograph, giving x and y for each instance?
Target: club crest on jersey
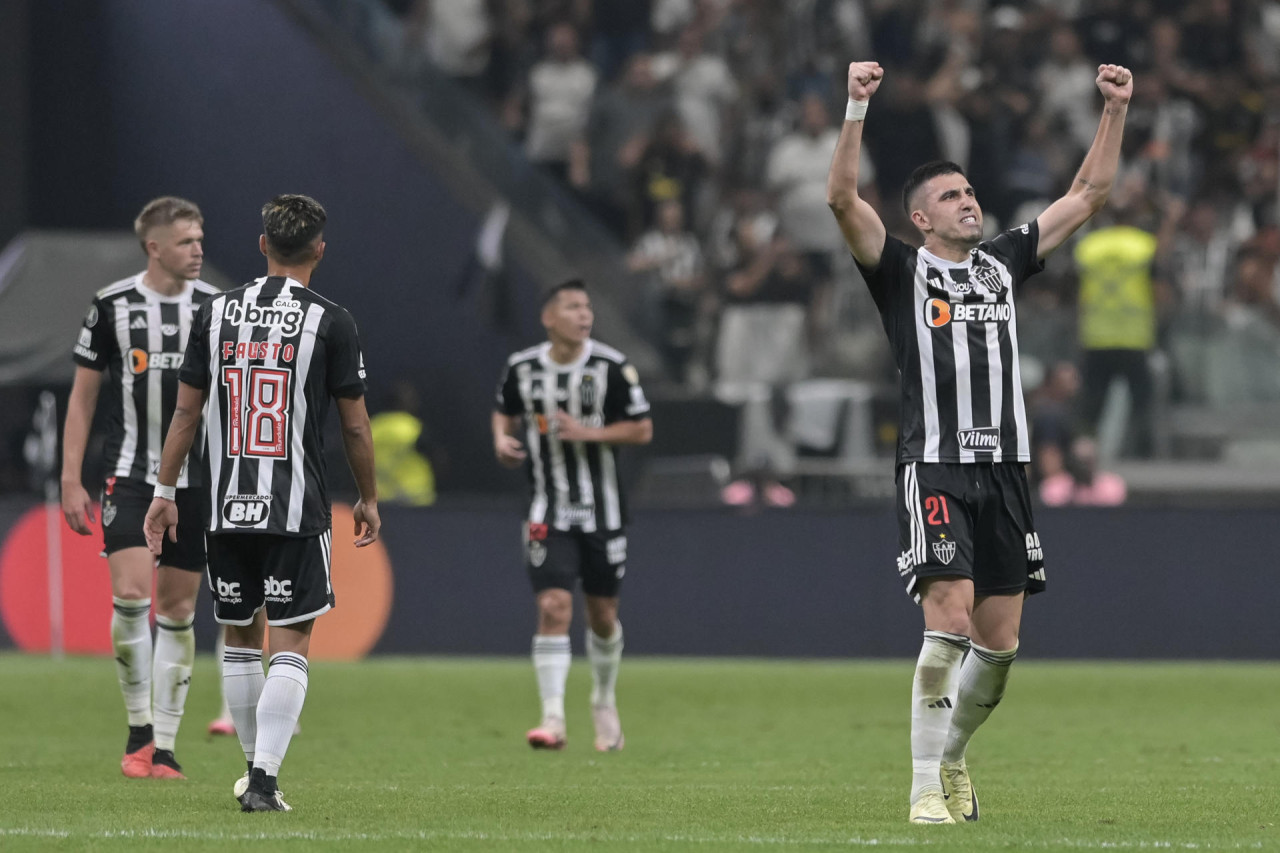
(979, 439)
(588, 392)
(983, 273)
(945, 551)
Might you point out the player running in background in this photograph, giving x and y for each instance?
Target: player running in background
(263, 361)
(127, 357)
(970, 551)
(573, 399)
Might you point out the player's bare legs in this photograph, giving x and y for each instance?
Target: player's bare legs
(173, 659)
(604, 651)
(132, 571)
(997, 620)
(948, 609)
(221, 724)
(551, 659)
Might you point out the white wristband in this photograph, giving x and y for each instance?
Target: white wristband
(166, 493)
(856, 111)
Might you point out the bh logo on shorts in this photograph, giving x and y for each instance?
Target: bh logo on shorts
(228, 592)
(277, 590)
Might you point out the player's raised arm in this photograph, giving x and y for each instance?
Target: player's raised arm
(1093, 182)
(861, 225)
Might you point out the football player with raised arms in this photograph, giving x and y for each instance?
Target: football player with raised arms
(970, 552)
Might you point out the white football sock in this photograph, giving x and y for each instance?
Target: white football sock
(932, 697)
(242, 680)
(131, 643)
(171, 675)
(279, 708)
(982, 681)
(604, 655)
(551, 658)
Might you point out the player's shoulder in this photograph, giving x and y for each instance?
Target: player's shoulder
(124, 287)
(202, 290)
(532, 353)
(607, 353)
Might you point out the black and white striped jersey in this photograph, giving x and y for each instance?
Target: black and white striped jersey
(953, 330)
(137, 337)
(270, 354)
(572, 484)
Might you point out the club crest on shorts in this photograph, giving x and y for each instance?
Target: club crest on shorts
(945, 551)
(109, 511)
(537, 554)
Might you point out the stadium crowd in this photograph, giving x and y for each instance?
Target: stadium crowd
(701, 131)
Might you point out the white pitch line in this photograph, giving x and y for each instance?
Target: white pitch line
(511, 838)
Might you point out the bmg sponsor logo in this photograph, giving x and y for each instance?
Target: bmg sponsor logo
(246, 510)
(285, 315)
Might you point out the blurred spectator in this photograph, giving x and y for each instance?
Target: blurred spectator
(797, 176)
(1118, 322)
(671, 168)
(1080, 483)
(1053, 419)
(1253, 307)
(762, 348)
(1066, 89)
(560, 88)
(904, 136)
(454, 35)
(1112, 30)
(619, 28)
(1199, 259)
(618, 130)
(704, 90)
(674, 257)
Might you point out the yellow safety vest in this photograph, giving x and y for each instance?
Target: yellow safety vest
(404, 475)
(1117, 300)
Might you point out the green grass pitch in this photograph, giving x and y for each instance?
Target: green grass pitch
(722, 755)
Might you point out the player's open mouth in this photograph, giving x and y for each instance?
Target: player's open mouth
(969, 220)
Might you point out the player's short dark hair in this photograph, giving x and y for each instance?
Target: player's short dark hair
(292, 224)
(923, 174)
(164, 211)
(571, 284)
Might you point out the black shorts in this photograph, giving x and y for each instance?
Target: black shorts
(289, 575)
(558, 558)
(124, 509)
(970, 521)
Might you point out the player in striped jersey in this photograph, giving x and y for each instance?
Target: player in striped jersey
(263, 361)
(127, 357)
(573, 399)
(970, 552)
